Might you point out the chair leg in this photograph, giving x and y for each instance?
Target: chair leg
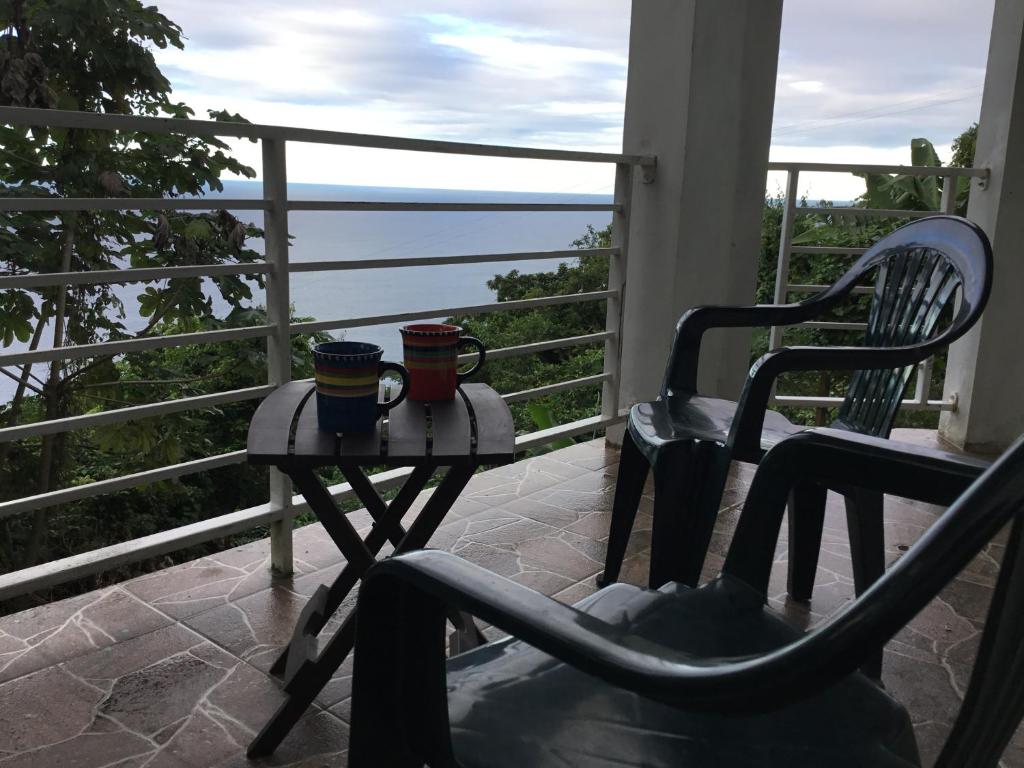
(688, 485)
(806, 521)
(867, 536)
(629, 487)
(864, 519)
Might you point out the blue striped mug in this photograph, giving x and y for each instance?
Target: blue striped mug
(347, 375)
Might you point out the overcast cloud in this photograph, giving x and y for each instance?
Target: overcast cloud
(856, 81)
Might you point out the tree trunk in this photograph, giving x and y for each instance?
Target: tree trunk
(19, 392)
(55, 401)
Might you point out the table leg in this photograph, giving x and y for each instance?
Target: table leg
(375, 505)
(334, 521)
(466, 635)
(435, 509)
(312, 676)
(375, 540)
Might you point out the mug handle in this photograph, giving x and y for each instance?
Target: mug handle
(398, 368)
(473, 342)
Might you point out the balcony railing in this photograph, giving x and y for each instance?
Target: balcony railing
(276, 204)
(278, 330)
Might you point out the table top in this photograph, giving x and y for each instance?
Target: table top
(472, 430)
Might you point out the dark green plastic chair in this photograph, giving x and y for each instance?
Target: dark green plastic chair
(700, 677)
(690, 439)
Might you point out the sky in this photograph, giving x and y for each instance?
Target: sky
(856, 82)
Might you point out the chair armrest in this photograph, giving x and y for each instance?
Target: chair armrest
(745, 434)
(403, 601)
(838, 458)
(681, 372)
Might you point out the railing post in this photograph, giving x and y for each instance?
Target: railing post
(616, 282)
(279, 368)
(785, 246)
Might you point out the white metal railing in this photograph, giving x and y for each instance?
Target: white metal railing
(278, 330)
(783, 288)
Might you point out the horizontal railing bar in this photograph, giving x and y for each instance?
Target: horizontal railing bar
(188, 203)
(796, 401)
(134, 345)
(572, 429)
(540, 346)
(107, 558)
(907, 170)
(823, 325)
(131, 413)
(344, 205)
(499, 306)
(106, 122)
(88, 490)
(550, 389)
(144, 274)
(879, 212)
(140, 275)
(129, 203)
(797, 288)
(826, 250)
(433, 261)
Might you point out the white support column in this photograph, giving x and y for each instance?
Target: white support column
(279, 357)
(985, 371)
(700, 95)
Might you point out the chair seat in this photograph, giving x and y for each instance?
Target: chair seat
(511, 705)
(683, 418)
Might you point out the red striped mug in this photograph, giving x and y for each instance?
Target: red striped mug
(431, 357)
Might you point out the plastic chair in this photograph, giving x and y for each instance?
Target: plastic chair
(685, 676)
(689, 439)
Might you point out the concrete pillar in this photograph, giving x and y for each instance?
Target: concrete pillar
(700, 95)
(986, 368)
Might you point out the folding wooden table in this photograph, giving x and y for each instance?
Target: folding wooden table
(473, 430)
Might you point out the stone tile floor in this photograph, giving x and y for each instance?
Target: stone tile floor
(170, 669)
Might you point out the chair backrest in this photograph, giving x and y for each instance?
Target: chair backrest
(919, 269)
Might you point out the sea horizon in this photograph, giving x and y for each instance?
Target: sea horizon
(340, 235)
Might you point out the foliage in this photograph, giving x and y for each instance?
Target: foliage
(97, 57)
(119, 449)
(506, 329)
(908, 193)
(922, 193)
(963, 157)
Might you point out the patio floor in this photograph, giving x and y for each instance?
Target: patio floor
(169, 669)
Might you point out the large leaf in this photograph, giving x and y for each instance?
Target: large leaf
(922, 153)
(544, 418)
(903, 192)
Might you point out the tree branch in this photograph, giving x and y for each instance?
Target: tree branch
(18, 379)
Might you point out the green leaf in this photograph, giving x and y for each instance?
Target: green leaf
(922, 152)
(544, 418)
(197, 229)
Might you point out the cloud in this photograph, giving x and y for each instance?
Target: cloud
(872, 75)
(888, 71)
(808, 86)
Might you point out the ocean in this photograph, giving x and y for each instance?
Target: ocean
(342, 235)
